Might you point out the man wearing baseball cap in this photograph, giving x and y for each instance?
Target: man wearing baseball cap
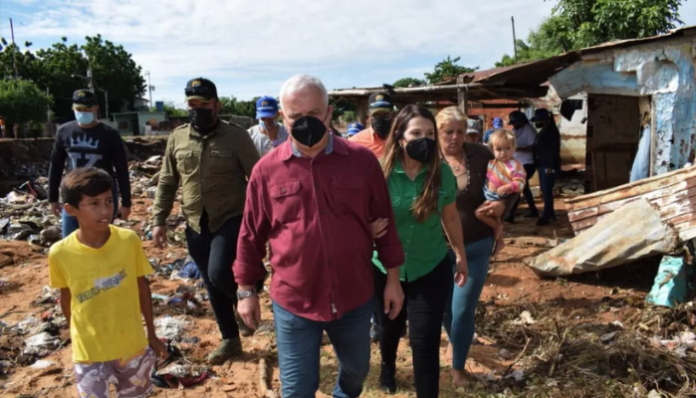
(211, 160)
(473, 131)
(268, 134)
(354, 128)
(86, 142)
(497, 124)
(381, 118)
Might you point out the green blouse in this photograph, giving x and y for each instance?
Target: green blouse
(424, 243)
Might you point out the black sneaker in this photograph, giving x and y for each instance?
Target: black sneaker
(228, 349)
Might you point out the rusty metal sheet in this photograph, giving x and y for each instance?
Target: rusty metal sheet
(648, 186)
(633, 232)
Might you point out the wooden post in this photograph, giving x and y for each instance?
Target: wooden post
(462, 95)
(361, 112)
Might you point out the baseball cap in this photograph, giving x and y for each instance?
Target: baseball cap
(84, 98)
(473, 126)
(355, 128)
(266, 107)
(380, 102)
(517, 117)
(201, 89)
(541, 115)
(498, 123)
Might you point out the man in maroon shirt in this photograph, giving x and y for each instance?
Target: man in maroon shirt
(313, 198)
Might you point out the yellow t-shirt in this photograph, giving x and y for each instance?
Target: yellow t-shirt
(106, 320)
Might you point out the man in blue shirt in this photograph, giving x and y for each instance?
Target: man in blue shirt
(497, 124)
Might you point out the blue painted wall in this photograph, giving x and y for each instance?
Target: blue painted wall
(666, 72)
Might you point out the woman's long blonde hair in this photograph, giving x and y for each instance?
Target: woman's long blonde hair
(426, 203)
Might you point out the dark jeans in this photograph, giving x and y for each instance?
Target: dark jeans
(426, 299)
(214, 254)
(530, 169)
(547, 182)
(299, 350)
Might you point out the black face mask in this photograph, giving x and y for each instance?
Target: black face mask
(539, 124)
(381, 126)
(308, 130)
(202, 119)
(421, 149)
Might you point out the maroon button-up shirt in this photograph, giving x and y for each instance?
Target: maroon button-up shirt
(316, 214)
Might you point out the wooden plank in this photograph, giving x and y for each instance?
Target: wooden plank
(682, 219)
(687, 234)
(630, 190)
(685, 226)
(582, 214)
(687, 206)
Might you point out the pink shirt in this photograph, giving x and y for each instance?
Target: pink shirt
(316, 214)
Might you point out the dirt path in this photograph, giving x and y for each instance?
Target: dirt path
(510, 285)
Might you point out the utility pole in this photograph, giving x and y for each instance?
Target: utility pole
(14, 51)
(514, 38)
(149, 87)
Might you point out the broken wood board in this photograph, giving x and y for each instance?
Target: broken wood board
(674, 194)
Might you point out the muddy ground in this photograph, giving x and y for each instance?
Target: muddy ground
(510, 284)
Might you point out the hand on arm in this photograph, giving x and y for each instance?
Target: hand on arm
(505, 190)
(249, 308)
(146, 308)
(453, 229)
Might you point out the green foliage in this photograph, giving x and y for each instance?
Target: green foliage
(170, 109)
(349, 117)
(58, 68)
(22, 102)
(409, 82)
(447, 69)
(232, 106)
(576, 24)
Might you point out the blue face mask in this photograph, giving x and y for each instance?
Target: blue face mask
(84, 118)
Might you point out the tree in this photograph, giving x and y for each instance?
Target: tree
(22, 102)
(409, 82)
(576, 24)
(62, 69)
(170, 109)
(447, 69)
(232, 106)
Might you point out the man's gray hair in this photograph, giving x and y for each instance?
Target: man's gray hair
(301, 82)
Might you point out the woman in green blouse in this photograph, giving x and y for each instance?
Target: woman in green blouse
(423, 191)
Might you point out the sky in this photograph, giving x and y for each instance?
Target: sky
(249, 48)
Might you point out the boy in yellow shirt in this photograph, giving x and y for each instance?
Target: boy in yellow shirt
(100, 270)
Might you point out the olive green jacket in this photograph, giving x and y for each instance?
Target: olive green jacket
(213, 171)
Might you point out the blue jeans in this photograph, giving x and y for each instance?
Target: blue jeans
(299, 343)
(69, 223)
(547, 181)
(460, 313)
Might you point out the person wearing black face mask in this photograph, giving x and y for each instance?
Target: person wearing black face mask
(547, 155)
(381, 117)
(211, 160)
(313, 199)
(423, 191)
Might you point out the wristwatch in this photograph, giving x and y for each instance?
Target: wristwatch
(242, 294)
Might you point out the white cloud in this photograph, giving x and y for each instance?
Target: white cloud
(250, 47)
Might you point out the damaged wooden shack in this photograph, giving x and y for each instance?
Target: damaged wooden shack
(641, 141)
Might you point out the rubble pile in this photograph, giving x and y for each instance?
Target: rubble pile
(32, 338)
(557, 357)
(25, 215)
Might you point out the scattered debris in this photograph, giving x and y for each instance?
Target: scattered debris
(171, 328)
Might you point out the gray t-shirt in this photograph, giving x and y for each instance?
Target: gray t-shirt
(263, 143)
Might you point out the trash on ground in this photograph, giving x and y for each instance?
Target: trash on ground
(171, 328)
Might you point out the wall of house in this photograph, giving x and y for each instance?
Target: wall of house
(663, 70)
